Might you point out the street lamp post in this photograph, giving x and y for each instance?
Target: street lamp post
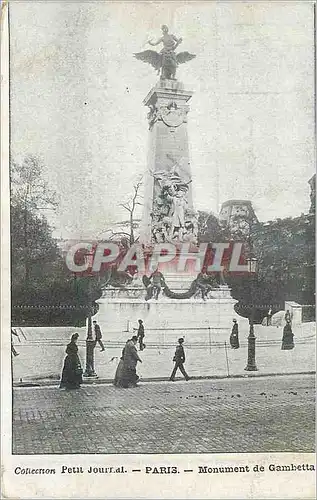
(251, 366)
(90, 350)
(90, 342)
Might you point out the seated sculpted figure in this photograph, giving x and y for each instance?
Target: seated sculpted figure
(153, 284)
(205, 284)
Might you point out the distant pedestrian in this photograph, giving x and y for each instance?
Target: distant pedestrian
(179, 359)
(129, 377)
(288, 317)
(141, 335)
(72, 370)
(288, 338)
(98, 335)
(234, 337)
(269, 317)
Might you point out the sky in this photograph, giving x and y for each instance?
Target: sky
(77, 92)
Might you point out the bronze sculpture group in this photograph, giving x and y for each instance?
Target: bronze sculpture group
(201, 286)
(166, 61)
(172, 221)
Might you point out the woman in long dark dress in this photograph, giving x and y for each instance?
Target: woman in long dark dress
(72, 370)
(129, 378)
(234, 337)
(288, 338)
(118, 376)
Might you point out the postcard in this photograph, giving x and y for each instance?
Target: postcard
(158, 326)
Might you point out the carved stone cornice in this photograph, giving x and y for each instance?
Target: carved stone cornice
(163, 94)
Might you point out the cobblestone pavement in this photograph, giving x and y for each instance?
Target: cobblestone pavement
(270, 414)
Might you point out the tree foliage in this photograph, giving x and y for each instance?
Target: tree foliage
(285, 250)
(43, 291)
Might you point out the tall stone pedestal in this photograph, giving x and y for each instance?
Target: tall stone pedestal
(168, 213)
(119, 311)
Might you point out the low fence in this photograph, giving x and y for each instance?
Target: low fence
(205, 338)
(41, 358)
(205, 346)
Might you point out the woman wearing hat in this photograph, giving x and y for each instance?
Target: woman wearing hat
(129, 377)
(72, 370)
(234, 337)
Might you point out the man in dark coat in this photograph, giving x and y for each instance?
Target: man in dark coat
(98, 335)
(141, 335)
(179, 359)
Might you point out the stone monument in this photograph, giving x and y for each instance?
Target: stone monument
(168, 214)
(166, 299)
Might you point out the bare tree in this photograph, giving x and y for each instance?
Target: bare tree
(126, 228)
(131, 206)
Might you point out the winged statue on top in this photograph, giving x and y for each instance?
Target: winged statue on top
(166, 61)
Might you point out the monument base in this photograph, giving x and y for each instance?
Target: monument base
(120, 309)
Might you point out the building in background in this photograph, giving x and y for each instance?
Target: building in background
(238, 216)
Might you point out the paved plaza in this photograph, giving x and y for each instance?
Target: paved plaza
(267, 414)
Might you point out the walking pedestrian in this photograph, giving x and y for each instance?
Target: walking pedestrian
(72, 370)
(141, 334)
(179, 359)
(234, 337)
(288, 317)
(288, 338)
(119, 371)
(129, 377)
(98, 335)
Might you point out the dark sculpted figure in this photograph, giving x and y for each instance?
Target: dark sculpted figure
(166, 61)
(153, 284)
(205, 284)
(115, 278)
